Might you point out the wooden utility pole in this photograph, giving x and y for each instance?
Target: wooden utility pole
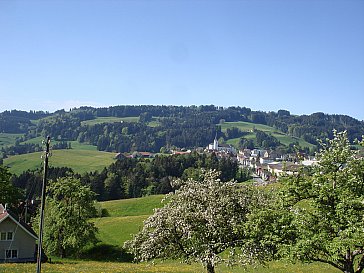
(40, 237)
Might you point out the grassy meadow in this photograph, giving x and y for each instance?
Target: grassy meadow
(81, 159)
(83, 266)
(132, 207)
(8, 139)
(124, 217)
(121, 219)
(100, 120)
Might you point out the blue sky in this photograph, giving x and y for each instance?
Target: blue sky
(303, 56)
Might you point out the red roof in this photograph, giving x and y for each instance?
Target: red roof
(3, 216)
(7, 214)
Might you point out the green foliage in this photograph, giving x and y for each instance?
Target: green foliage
(127, 177)
(69, 207)
(9, 194)
(327, 207)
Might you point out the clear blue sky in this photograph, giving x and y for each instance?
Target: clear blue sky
(303, 56)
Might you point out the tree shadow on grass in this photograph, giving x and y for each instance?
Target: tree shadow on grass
(105, 252)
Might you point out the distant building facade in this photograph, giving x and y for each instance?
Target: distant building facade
(216, 147)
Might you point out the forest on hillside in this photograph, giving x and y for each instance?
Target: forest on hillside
(157, 128)
(133, 177)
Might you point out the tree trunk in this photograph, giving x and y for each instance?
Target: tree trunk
(349, 267)
(62, 253)
(210, 268)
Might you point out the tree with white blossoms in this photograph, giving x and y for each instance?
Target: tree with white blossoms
(327, 205)
(201, 220)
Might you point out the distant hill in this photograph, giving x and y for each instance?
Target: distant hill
(128, 128)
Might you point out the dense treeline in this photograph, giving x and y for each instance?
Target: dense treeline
(131, 177)
(180, 126)
(265, 140)
(128, 136)
(314, 126)
(15, 121)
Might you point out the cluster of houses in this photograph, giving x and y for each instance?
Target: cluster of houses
(269, 165)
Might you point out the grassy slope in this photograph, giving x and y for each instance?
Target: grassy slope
(100, 120)
(116, 230)
(8, 139)
(248, 127)
(132, 207)
(125, 217)
(81, 159)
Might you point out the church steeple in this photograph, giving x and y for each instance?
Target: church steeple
(216, 143)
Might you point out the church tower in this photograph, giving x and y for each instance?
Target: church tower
(216, 143)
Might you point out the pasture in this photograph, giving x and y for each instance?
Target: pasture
(81, 160)
(100, 120)
(8, 139)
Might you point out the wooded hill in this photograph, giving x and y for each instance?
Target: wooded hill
(155, 128)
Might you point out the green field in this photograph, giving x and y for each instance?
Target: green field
(125, 217)
(82, 266)
(132, 207)
(81, 160)
(8, 139)
(249, 127)
(246, 126)
(117, 230)
(101, 120)
(36, 140)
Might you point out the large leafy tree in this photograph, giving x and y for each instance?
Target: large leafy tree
(327, 208)
(69, 206)
(202, 219)
(9, 194)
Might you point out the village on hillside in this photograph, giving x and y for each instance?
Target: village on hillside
(265, 165)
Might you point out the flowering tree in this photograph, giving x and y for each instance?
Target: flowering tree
(201, 220)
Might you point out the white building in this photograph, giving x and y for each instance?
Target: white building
(215, 146)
